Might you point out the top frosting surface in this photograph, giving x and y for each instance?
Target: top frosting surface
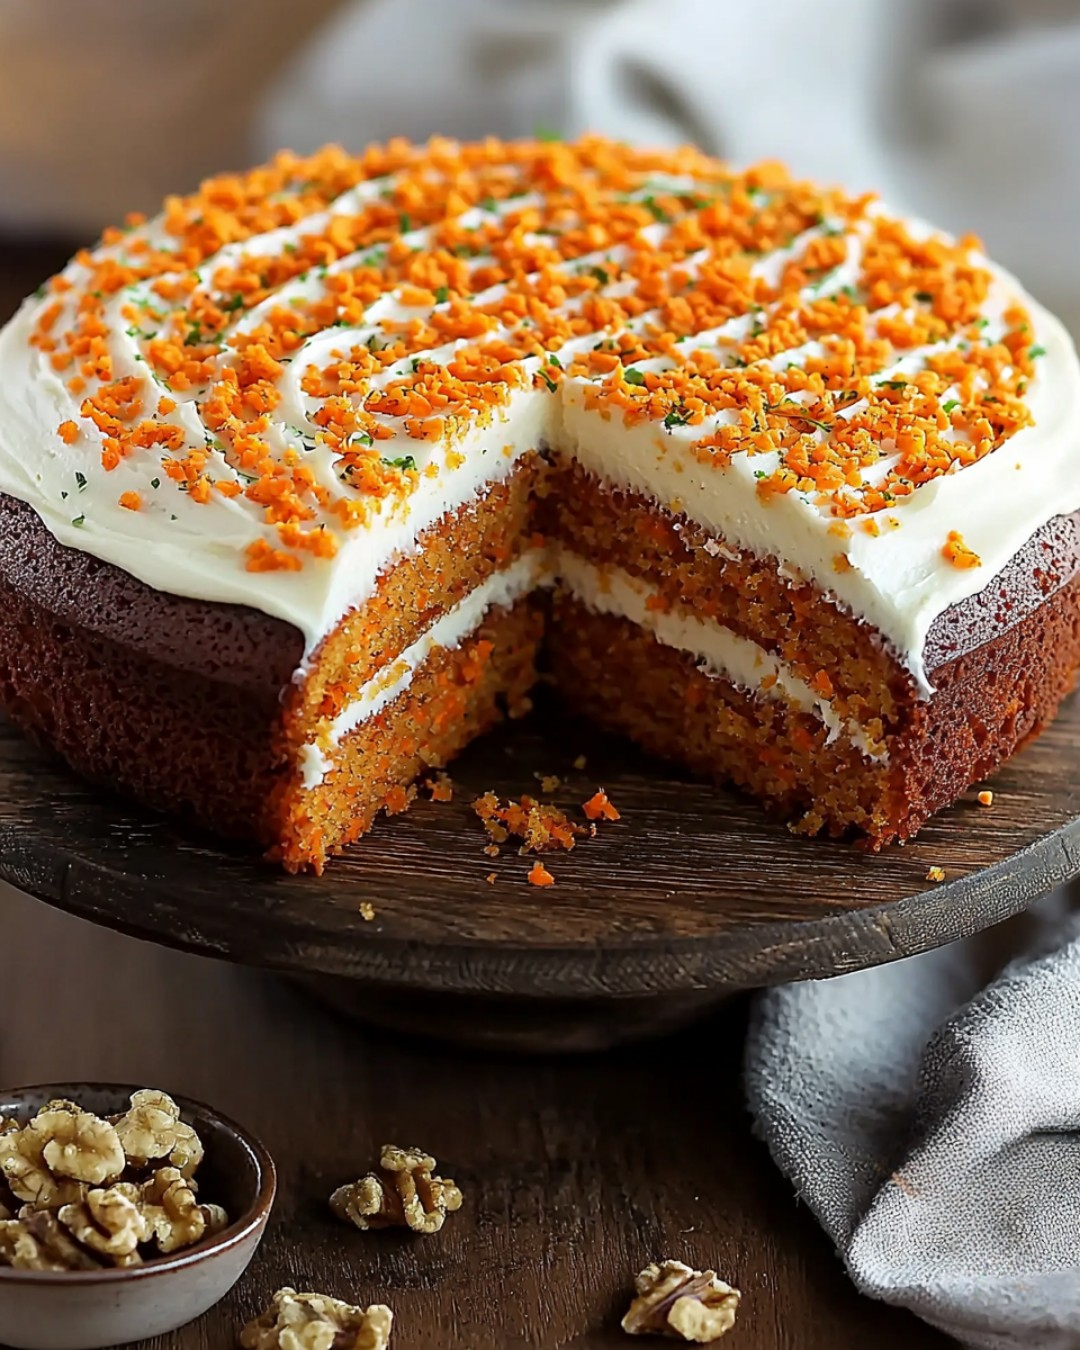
(267, 392)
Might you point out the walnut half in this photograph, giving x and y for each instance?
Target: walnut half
(673, 1300)
(403, 1192)
(36, 1241)
(109, 1222)
(173, 1216)
(151, 1128)
(317, 1322)
(52, 1159)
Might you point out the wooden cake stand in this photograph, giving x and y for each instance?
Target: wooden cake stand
(693, 895)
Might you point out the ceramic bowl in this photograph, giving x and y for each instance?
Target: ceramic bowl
(86, 1310)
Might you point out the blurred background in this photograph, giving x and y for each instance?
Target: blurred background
(965, 111)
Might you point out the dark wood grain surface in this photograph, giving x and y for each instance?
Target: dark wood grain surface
(576, 1171)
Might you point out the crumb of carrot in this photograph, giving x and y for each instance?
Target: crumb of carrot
(936, 874)
(441, 788)
(537, 825)
(130, 501)
(490, 878)
(367, 910)
(492, 850)
(958, 553)
(549, 782)
(580, 763)
(539, 875)
(68, 432)
(598, 807)
(986, 797)
(398, 799)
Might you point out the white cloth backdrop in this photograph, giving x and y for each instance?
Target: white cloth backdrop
(967, 111)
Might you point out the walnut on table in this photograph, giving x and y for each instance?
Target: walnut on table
(673, 1300)
(151, 1128)
(402, 1192)
(317, 1322)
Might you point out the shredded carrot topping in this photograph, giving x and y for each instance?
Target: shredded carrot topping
(539, 875)
(958, 553)
(847, 357)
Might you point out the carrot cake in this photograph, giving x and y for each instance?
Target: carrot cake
(297, 477)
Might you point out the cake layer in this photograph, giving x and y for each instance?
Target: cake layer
(452, 558)
(988, 703)
(452, 696)
(716, 649)
(126, 705)
(455, 625)
(622, 678)
(767, 602)
(760, 599)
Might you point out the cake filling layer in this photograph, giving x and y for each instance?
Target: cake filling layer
(501, 590)
(721, 652)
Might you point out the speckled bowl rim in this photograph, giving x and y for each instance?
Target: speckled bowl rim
(254, 1217)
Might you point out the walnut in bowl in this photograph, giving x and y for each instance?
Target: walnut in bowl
(123, 1213)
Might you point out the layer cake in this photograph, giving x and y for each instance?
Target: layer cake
(299, 477)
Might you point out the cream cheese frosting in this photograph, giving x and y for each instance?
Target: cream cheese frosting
(266, 395)
(719, 651)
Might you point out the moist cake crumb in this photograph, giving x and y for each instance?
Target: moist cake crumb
(441, 787)
(399, 799)
(539, 826)
(936, 874)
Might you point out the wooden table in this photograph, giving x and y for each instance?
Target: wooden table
(576, 1171)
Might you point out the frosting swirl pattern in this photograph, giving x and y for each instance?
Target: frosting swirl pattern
(268, 392)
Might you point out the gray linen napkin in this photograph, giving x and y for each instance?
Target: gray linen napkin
(931, 1120)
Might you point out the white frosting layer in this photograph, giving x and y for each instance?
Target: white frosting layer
(198, 550)
(718, 650)
(897, 580)
(448, 632)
